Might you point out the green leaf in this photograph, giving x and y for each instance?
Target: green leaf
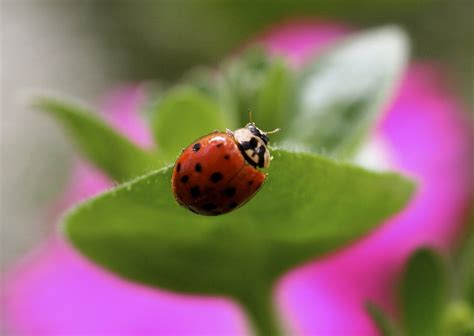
(343, 92)
(103, 146)
(309, 206)
(459, 316)
(469, 286)
(241, 82)
(182, 116)
(384, 324)
(201, 78)
(273, 101)
(458, 320)
(465, 264)
(423, 293)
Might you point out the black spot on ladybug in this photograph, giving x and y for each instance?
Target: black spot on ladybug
(216, 177)
(196, 147)
(250, 182)
(209, 206)
(198, 167)
(232, 205)
(185, 178)
(195, 192)
(219, 144)
(178, 167)
(226, 157)
(229, 192)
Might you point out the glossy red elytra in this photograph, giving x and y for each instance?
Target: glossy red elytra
(219, 172)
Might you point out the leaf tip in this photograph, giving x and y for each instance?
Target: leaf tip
(405, 188)
(32, 97)
(64, 229)
(393, 34)
(426, 252)
(40, 99)
(382, 321)
(391, 41)
(412, 186)
(55, 103)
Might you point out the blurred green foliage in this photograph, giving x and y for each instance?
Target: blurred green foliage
(109, 150)
(164, 38)
(429, 297)
(423, 294)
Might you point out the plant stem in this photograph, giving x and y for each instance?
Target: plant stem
(262, 313)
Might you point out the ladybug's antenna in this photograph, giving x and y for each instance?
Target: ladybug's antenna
(270, 132)
(274, 131)
(251, 117)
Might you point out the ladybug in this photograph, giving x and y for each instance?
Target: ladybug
(219, 172)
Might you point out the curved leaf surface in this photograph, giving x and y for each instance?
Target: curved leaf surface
(309, 206)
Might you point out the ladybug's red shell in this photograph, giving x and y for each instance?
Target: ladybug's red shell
(212, 177)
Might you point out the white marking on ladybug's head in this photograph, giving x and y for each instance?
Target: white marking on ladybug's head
(253, 145)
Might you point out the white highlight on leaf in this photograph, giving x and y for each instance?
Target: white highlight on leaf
(351, 81)
(375, 154)
(345, 75)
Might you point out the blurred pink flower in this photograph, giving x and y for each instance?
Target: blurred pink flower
(55, 291)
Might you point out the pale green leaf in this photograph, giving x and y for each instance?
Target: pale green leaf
(343, 92)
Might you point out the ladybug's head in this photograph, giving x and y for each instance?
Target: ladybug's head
(257, 132)
(252, 143)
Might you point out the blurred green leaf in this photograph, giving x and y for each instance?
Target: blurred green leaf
(203, 79)
(250, 82)
(384, 325)
(309, 206)
(182, 116)
(458, 320)
(466, 265)
(272, 108)
(470, 284)
(462, 264)
(151, 29)
(118, 157)
(459, 316)
(423, 294)
(242, 80)
(342, 93)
